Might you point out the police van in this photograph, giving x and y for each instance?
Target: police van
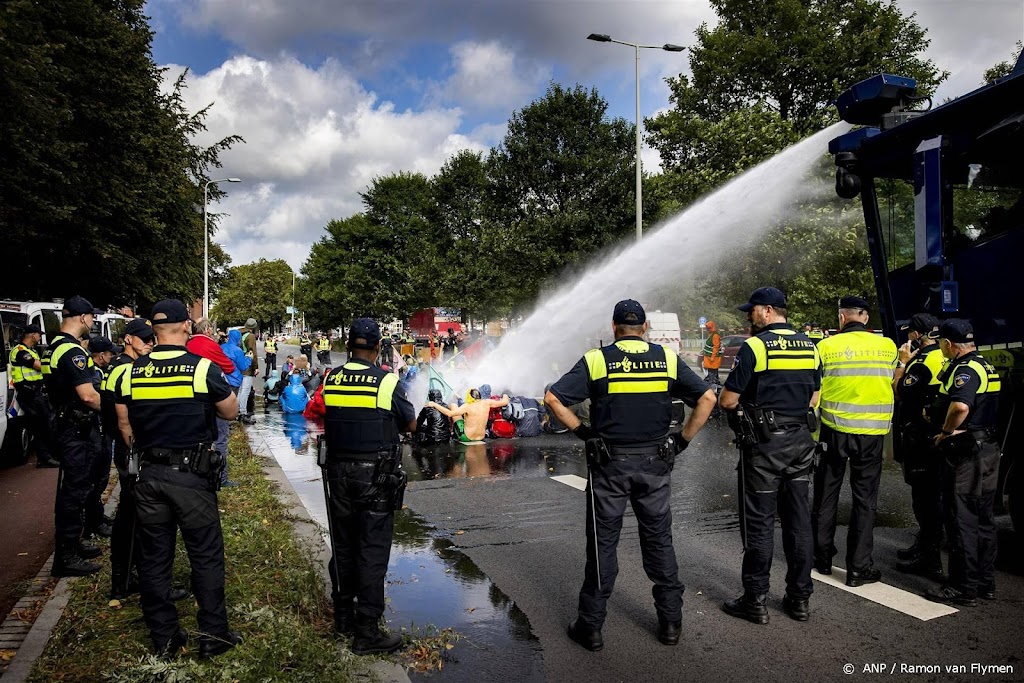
(45, 314)
(111, 326)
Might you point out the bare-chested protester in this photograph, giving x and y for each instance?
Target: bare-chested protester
(472, 415)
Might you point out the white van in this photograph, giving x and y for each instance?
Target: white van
(18, 314)
(664, 329)
(111, 326)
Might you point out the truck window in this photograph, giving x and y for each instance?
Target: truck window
(988, 203)
(50, 324)
(896, 209)
(13, 324)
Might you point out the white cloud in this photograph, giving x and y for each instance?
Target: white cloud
(315, 138)
(490, 76)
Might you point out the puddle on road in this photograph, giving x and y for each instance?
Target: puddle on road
(429, 583)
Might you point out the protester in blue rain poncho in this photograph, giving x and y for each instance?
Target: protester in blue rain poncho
(294, 397)
(272, 387)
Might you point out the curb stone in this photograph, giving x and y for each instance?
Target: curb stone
(310, 534)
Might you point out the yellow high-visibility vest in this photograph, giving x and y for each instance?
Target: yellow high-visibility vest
(856, 383)
(21, 374)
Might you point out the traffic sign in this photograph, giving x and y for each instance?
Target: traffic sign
(703, 320)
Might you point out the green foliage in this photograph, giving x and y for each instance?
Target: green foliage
(997, 71)
(259, 290)
(100, 180)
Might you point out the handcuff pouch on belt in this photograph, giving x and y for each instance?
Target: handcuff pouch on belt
(959, 448)
(204, 460)
(744, 425)
(390, 479)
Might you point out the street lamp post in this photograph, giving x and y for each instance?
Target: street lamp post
(206, 242)
(667, 47)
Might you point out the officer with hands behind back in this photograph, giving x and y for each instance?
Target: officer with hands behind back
(166, 411)
(69, 374)
(27, 377)
(770, 393)
(361, 455)
(630, 456)
(969, 450)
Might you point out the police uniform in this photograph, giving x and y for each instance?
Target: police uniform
(970, 471)
(856, 414)
(631, 384)
(917, 389)
(306, 348)
(96, 523)
(324, 350)
(31, 394)
(776, 374)
(365, 409)
(170, 396)
(77, 434)
(270, 349)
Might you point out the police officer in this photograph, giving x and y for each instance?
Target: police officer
(856, 414)
(813, 332)
(27, 377)
(771, 390)
(631, 384)
(969, 451)
(306, 347)
(324, 350)
(101, 350)
(138, 341)
(916, 384)
(69, 376)
(270, 349)
(166, 410)
(366, 409)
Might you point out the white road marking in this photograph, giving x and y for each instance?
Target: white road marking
(572, 480)
(894, 598)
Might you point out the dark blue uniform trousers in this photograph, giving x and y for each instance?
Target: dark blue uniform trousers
(79, 447)
(970, 475)
(645, 483)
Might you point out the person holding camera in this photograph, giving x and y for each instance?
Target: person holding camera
(630, 454)
(167, 406)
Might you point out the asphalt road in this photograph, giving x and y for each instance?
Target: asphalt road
(525, 531)
(26, 502)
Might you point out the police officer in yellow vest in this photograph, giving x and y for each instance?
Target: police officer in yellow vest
(323, 349)
(813, 332)
(69, 382)
(27, 377)
(856, 414)
(630, 456)
(166, 410)
(270, 349)
(969, 451)
(306, 347)
(366, 409)
(770, 391)
(916, 384)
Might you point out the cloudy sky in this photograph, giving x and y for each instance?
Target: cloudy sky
(329, 94)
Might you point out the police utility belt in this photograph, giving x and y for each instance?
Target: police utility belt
(202, 460)
(388, 475)
(600, 452)
(754, 425)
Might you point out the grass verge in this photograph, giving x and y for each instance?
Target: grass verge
(274, 594)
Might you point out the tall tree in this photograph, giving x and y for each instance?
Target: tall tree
(260, 290)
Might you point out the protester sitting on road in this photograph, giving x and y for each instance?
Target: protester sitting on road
(550, 423)
(473, 423)
(287, 366)
(272, 387)
(431, 425)
(498, 426)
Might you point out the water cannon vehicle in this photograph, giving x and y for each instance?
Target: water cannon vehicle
(941, 191)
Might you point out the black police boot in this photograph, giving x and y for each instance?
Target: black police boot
(753, 608)
(668, 632)
(823, 566)
(926, 564)
(987, 592)
(590, 638)
(911, 552)
(951, 596)
(211, 646)
(859, 578)
(102, 529)
(177, 594)
(796, 608)
(68, 562)
(344, 618)
(88, 551)
(370, 640)
(169, 650)
(47, 463)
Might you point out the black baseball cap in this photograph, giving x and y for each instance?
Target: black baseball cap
(31, 329)
(629, 312)
(140, 328)
(100, 344)
(921, 322)
(169, 311)
(956, 330)
(77, 305)
(765, 296)
(366, 330)
(853, 301)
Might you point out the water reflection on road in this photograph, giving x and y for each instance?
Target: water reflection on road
(429, 583)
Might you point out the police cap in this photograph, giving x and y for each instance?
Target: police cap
(169, 311)
(765, 296)
(100, 344)
(921, 322)
(629, 312)
(77, 305)
(956, 330)
(364, 334)
(854, 302)
(139, 328)
(31, 329)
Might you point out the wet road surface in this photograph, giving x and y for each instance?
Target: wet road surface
(517, 538)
